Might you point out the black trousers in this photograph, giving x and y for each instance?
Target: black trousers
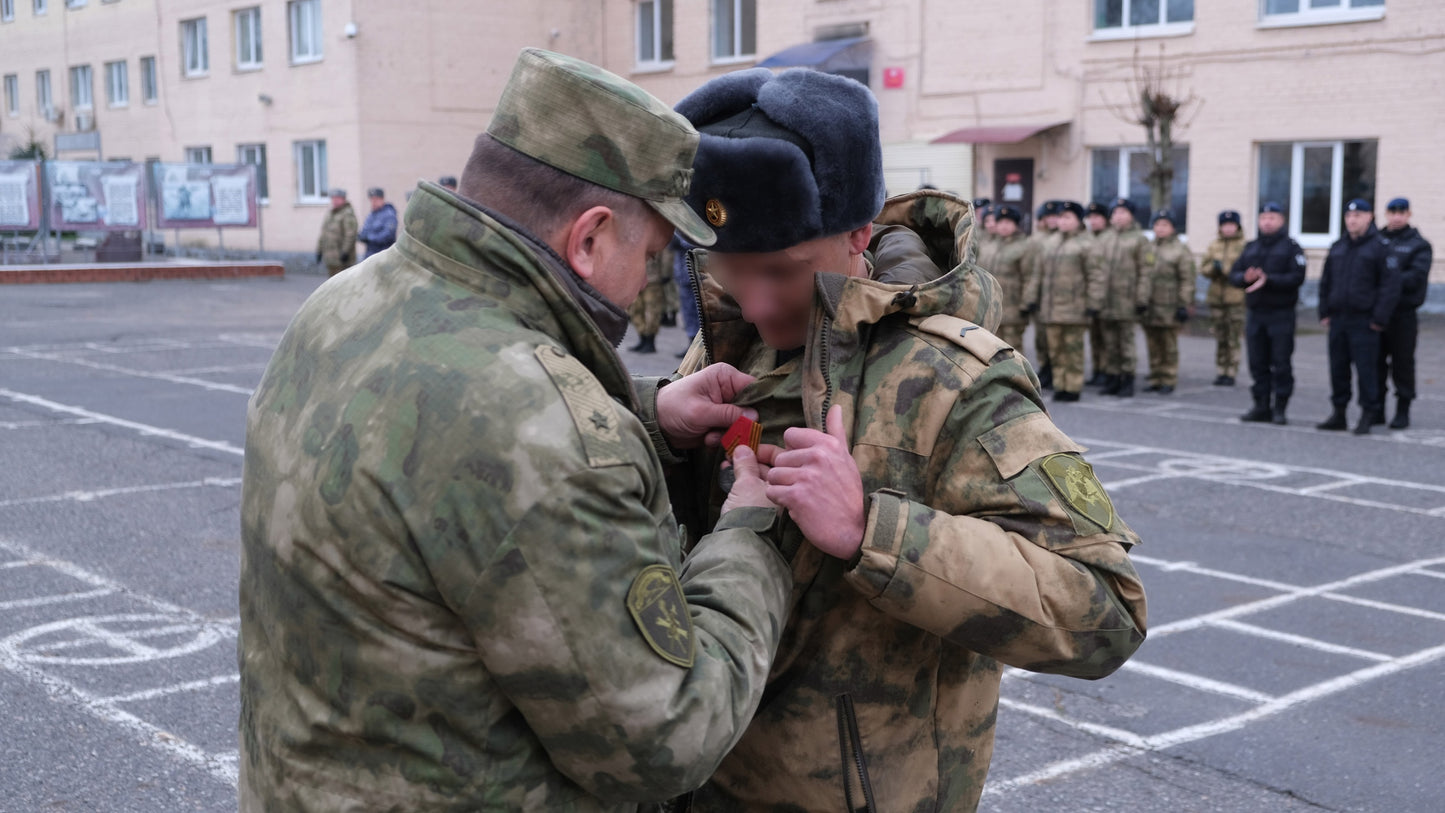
(1397, 353)
(1352, 342)
(1269, 336)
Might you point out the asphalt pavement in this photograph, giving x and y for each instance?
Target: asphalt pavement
(1296, 578)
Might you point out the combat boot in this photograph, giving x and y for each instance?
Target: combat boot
(1126, 386)
(1097, 379)
(1402, 414)
(1336, 421)
(1112, 384)
(1277, 414)
(1260, 413)
(1367, 420)
(645, 344)
(1046, 377)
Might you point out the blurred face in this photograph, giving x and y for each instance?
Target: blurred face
(1120, 218)
(1270, 222)
(336, 202)
(775, 289)
(376, 203)
(1163, 229)
(1096, 222)
(1050, 222)
(1229, 229)
(1005, 227)
(1397, 219)
(1357, 223)
(1069, 223)
(990, 224)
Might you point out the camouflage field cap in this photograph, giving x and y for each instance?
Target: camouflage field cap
(600, 127)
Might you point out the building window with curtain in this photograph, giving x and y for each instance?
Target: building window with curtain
(149, 88)
(654, 33)
(195, 48)
(734, 30)
(1127, 19)
(1312, 180)
(1281, 13)
(1123, 172)
(247, 23)
(81, 88)
(304, 22)
(255, 155)
(311, 172)
(117, 84)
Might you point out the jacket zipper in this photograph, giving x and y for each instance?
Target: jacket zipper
(703, 328)
(823, 361)
(854, 763)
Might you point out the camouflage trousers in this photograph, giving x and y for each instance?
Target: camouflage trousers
(1118, 347)
(1041, 343)
(1066, 342)
(670, 300)
(1096, 343)
(1228, 326)
(1013, 335)
(646, 311)
(1163, 344)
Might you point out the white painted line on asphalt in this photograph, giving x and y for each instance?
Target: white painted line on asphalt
(144, 429)
(1309, 491)
(1389, 608)
(133, 634)
(112, 368)
(179, 688)
(1196, 682)
(1299, 640)
(1195, 568)
(43, 424)
(17, 563)
(89, 496)
(1229, 416)
(95, 580)
(1430, 573)
(60, 598)
(1107, 732)
(219, 368)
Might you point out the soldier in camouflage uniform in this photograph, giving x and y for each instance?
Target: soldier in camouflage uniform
(461, 583)
(647, 310)
(1168, 288)
(1045, 226)
(1226, 302)
(1066, 293)
(1003, 256)
(1126, 255)
(1096, 218)
(336, 247)
(955, 528)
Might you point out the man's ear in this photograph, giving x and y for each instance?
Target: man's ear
(582, 239)
(858, 238)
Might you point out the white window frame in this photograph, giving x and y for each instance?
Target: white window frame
(245, 154)
(195, 48)
(1296, 192)
(44, 95)
(1121, 183)
(318, 178)
(736, 55)
(657, 63)
(117, 84)
(79, 100)
(248, 20)
(150, 88)
(7, 11)
(1345, 12)
(1128, 31)
(40, 7)
(12, 94)
(75, 3)
(198, 155)
(303, 27)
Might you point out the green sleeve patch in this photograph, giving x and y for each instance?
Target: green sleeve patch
(656, 604)
(1078, 489)
(592, 410)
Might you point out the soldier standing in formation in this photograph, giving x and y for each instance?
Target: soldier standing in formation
(336, 247)
(1066, 291)
(1271, 270)
(1226, 302)
(1045, 225)
(1126, 255)
(1169, 293)
(1413, 256)
(1003, 256)
(1096, 218)
(647, 311)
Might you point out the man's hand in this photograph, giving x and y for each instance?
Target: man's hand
(816, 480)
(1253, 273)
(697, 408)
(1140, 310)
(1325, 322)
(1181, 315)
(749, 488)
(1260, 279)
(1377, 328)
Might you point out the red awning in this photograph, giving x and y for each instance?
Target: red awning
(1009, 134)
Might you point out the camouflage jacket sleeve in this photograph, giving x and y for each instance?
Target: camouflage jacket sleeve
(1214, 254)
(1186, 271)
(1032, 267)
(1145, 257)
(1096, 278)
(348, 235)
(1016, 553)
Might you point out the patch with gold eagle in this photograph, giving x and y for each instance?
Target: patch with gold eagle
(1074, 481)
(656, 604)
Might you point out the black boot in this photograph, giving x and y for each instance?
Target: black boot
(1335, 422)
(1112, 384)
(1126, 386)
(669, 319)
(1046, 377)
(1277, 414)
(1260, 413)
(1367, 420)
(1066, 396)
(1377, 418)
(1402, 414)
(645, 344)
(1097, 379)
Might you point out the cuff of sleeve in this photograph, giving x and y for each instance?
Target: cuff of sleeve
(763, 521)
(877, 560)
(647, 387)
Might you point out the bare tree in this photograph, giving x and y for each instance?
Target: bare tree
(1157, 102)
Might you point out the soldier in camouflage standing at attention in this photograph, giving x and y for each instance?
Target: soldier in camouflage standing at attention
(1126, 255)
(1226, 302)
(1066, 292)
(1169, 292)
(1045, 226)
(461, 583)
(1096, 219)
(336, 247)
(647, 310)
(1003, 256)
(943, 526)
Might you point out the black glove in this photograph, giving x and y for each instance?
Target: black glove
(1092, 313)
(1032, 307)
(1182, 315)
(1141, 309)
(1218, 267)
(318, 258)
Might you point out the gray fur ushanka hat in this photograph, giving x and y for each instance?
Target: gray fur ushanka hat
(784, 158)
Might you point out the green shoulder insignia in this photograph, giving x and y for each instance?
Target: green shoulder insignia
(592, 410)
(656, 603)
(1076, 485)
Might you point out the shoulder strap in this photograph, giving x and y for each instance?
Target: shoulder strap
(982, 344)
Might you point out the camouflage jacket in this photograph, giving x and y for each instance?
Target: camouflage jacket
(458, 585)
(1037, 246)
(1004, 258)
(988, 541)
(1126, 255)
(1223, 251)
(1169, 284)
(1068, 280)
(337, 243)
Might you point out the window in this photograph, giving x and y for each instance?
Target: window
(255, 155)
(198, 155)
(80, 88)
(248, 38)
(654, 32)
(7, 10)
(41, 6)
(1312, 180)
(149, 90)
(12, 94)
(195, 49)
(44, 102)
(1117, 19)
(1124, 172)
(311, 171)
(734, 29)
(75, 3)
(1318, 12)
(305, 24)
(117, 84)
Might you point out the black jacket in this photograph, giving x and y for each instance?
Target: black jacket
(1283, 262)
(1414, 255)
(1361, 278)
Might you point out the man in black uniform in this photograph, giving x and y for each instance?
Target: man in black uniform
(1397, 344)
(1358, 291)
(1271, 271)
